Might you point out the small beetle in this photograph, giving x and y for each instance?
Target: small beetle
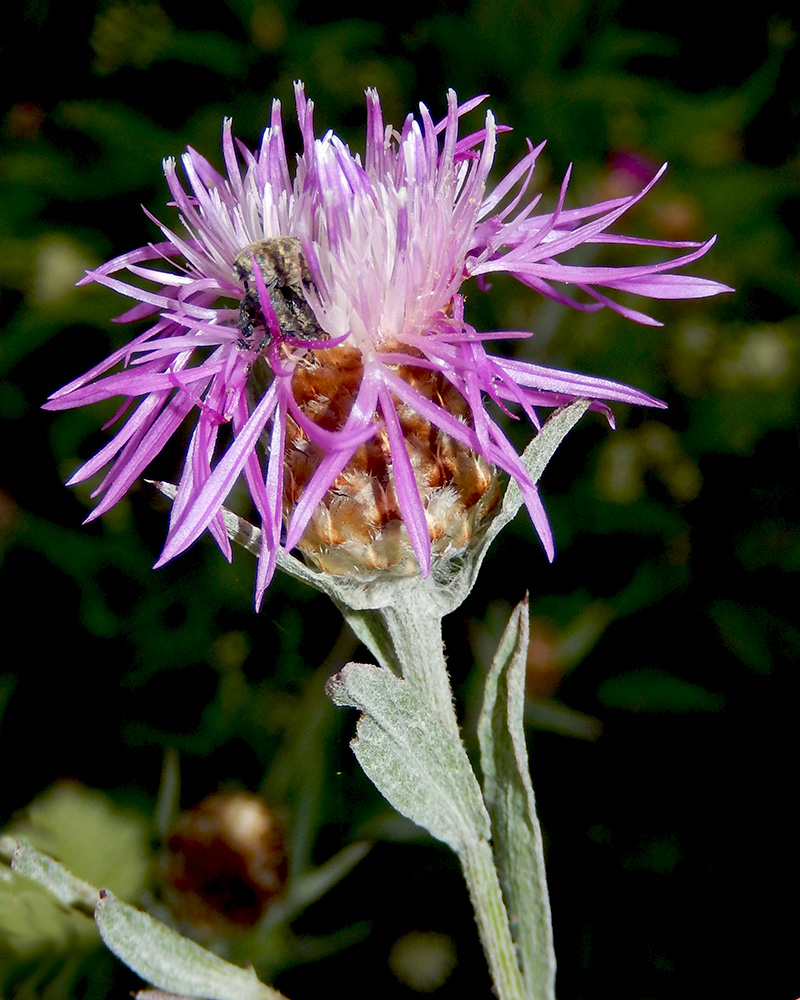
(286, 277)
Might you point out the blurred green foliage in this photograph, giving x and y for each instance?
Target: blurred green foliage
(665, 638)
(41, 940)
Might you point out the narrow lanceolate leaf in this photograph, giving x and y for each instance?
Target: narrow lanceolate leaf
(508, 793)
(171, 962)
(414, 762)
(157, 995)
(541, 450)
(66, 887)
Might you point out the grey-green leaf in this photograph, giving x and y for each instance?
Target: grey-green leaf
(66, 887)
(165, 959)
(422, 769)
(540, 450)
(508, 793)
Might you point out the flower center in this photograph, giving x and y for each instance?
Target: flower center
(359, 527)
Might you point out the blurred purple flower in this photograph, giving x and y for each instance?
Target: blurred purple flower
(351, 332)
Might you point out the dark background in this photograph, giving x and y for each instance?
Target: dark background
(665, 637)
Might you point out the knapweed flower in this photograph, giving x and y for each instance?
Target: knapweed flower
(317, 321)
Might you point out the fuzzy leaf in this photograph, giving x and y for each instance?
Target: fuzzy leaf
(169, 961)
(539, 452)
(414, 762)
(66, 887)
(508, 793)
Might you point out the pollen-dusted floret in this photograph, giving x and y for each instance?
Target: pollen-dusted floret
(319, 314)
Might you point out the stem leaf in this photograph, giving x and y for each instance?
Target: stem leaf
(169, 961)
(539, 452)
(508, 792)
(420, 767)
(66, 887)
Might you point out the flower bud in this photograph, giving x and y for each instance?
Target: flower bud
(224, 863)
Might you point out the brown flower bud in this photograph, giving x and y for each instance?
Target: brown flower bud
(224, 862)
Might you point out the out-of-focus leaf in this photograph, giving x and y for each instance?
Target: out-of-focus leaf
(33, 924)
(90, 836)
(652, 690)
(311, 886)
(660, 855)
(755, 635)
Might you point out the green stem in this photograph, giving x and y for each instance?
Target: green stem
(417, 641)
(492, 919)
(408, 638)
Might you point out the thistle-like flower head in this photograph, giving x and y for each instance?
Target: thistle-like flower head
(313, 326)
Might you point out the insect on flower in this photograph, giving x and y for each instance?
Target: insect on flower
(319, 316)
(287, 279)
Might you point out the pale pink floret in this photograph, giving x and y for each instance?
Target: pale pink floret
(389, 241)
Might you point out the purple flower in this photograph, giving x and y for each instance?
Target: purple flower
(314, 327)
